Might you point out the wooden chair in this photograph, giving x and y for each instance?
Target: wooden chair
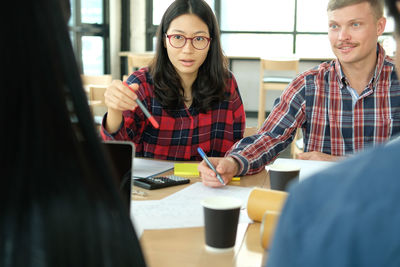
(139, 60)
(88, 80)
(105, 79)
(249, 131)
(280, 72)
(95, 86)
(295, 149)
(96, 99)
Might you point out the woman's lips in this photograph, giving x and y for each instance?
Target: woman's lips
(187, 62)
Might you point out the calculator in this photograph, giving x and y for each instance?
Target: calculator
(160, 182)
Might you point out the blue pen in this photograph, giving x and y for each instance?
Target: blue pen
(204, 156)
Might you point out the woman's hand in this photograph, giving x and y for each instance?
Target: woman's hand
(118, 98)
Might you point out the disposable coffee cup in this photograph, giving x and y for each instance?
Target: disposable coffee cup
(280, 175)
(262, 200)
(267, 228)
(221, 217)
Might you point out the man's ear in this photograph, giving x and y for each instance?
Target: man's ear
(381, 26)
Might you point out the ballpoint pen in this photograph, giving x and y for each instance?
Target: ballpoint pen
(204, 156)
(144, 109)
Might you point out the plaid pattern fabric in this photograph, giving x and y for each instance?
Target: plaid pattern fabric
(319, 102)
(179, 135)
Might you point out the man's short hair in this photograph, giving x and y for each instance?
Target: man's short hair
(376, 5)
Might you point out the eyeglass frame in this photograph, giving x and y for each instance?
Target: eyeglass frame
(187, 38)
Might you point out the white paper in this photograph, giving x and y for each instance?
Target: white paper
(307, 167)
(143, 168)
(183, 209)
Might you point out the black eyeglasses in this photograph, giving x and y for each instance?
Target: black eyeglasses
(179, 41)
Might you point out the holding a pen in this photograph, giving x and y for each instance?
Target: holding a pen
(212, 169)
(205, 158)
(184, 96)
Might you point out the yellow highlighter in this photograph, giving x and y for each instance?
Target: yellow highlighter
(236, 179)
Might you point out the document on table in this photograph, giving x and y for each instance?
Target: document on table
(143, 168)
(307, 167)
(183, 209)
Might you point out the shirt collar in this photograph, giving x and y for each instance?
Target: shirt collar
(378, 68)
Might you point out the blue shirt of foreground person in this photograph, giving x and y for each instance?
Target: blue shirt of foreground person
(344, 216)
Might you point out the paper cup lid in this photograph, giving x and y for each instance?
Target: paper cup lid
(221, 203)
(283, 167)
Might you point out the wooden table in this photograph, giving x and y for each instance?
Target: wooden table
(185, 246)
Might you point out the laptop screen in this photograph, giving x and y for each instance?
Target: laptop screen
(121, 154)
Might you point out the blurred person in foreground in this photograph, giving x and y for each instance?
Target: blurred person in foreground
(59, 203)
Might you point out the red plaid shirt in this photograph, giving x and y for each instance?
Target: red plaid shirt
(179, 135)
(319, 102)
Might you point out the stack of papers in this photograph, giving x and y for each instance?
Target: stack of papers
(144, 168)
(183, 209)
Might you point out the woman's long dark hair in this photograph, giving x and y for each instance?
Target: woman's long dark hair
(59, 205)
(208, 89)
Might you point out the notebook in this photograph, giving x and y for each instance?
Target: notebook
(145, 167)
(122, 154)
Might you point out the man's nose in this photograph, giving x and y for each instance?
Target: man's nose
(344, 34)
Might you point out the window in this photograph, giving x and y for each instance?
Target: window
(90, 35)
(262, 28)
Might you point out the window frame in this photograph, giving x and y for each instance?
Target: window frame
(78, 30)
(151, 29)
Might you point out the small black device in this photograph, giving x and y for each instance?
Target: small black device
(121, 154)
(160, 182)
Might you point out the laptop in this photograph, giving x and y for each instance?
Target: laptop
(122, 154)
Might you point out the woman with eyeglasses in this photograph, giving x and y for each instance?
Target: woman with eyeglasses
(188, 89)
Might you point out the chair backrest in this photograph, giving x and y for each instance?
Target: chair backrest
(92, 80)
(95, 87)
(275, 74)
(248, 131)
(280, 64)
(139, 60)
(96, 92)
(278, 70)
(96, 99)
(105, 79)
